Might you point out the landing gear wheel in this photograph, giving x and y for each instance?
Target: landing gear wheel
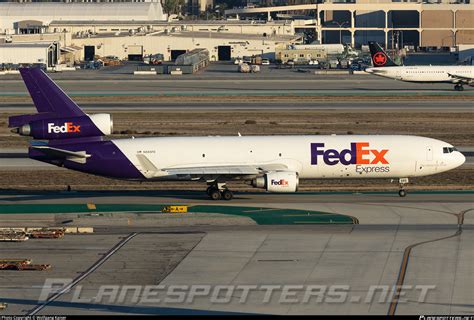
(458, 87)
(402, 193)
(215, 194)
(227, 195)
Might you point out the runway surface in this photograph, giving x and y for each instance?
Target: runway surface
(308, 85)
(393, 106)
(245, 198)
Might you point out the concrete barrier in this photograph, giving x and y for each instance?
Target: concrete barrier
(60, 68)
(142, 73)
(176, 72)
(331, 72)
(85, 230)
(2, 73)
(360, 72)
(66, 229)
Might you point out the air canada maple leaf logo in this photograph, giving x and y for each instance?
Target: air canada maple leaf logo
(380, 59)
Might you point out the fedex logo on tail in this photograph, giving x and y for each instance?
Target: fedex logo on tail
(68, 127)
(359, 153)
(281, 182)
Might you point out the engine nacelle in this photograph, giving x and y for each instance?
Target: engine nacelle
(65, 128)
(281, 181)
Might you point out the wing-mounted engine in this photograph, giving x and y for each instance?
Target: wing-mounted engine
(278, 181)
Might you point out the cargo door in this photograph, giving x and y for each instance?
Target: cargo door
(176, 53)
(135, 53)
(89, 52)
(224, 53)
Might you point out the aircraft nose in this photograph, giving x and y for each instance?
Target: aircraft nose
(369, 70)
(460, 159)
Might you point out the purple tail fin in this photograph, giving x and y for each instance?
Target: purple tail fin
(58, 117)
(47, 96)
(50, 101)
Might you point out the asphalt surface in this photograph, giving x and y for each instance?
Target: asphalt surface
(393, 106)
(247, 84)
(247, 198)
(424, 239)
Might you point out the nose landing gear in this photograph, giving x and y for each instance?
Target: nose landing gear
(402, 182)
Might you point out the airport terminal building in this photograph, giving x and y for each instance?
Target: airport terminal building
(137, 29)
(409, 23)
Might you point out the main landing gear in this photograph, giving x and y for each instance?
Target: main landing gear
(219, 191)
(402, 182)
(459, 87)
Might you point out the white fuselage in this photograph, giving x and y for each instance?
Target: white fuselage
(374, 156)
(449, 74)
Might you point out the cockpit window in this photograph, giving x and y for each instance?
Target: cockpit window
(449, 149)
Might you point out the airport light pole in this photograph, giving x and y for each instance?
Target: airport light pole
(399, 39)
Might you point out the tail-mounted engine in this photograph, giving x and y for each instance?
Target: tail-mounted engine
(65, 128)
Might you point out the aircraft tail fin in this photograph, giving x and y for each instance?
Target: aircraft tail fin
(58, 117)
(379, 56)
(50, 101)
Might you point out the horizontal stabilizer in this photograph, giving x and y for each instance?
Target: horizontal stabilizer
(76, 156)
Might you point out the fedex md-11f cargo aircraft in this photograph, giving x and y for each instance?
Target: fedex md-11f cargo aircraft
(385, 67)
(67, 137)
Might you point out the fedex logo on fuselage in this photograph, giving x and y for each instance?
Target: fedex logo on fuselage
(281, 182)
(68, 127)
(359, 153)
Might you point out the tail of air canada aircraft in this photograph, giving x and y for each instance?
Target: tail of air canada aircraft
(58, 117)
(379, 56)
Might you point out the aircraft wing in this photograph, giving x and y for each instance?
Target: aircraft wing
(230, 170)
(206, 172)
(461, 78)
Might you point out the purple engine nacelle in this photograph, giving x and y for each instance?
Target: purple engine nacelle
(66, 128)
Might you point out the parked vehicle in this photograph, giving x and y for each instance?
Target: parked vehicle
(265, 62)
(254, 68)
(244, 68)
(343, 63)
(355, 66)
